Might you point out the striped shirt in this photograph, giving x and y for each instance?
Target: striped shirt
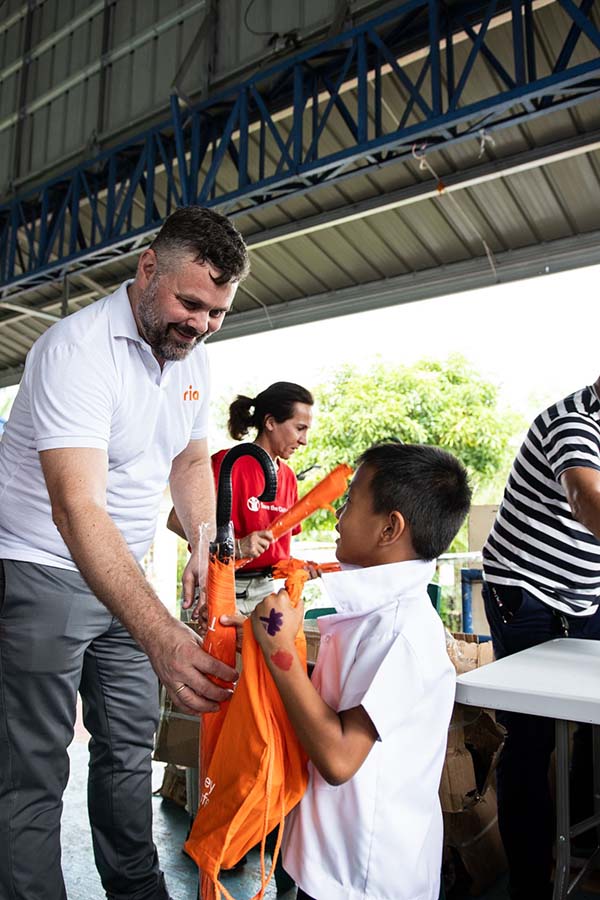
(535, 542)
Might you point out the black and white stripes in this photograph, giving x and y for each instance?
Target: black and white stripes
(535, 541)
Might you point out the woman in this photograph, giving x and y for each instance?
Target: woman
(282, 416)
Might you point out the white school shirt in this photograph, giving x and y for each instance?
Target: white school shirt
(379, 835)
(91, 381)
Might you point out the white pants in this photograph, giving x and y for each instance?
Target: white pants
(250, 590)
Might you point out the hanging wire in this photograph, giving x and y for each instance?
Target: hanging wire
(418, 152)
(260, 303)
(251, 30)
(287, 41)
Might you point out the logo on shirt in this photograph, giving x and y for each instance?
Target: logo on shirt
(191, 394)
(253, 504)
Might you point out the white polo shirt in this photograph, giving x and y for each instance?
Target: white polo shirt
(92, 381)
(379, 835)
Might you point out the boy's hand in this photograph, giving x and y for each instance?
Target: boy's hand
(237, 620)
(275, 622)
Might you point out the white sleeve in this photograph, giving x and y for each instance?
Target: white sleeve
(386, 682)
(72, 398)
(200, 426)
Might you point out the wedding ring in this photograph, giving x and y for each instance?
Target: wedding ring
(180, 688)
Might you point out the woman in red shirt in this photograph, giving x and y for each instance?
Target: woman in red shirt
(282, 416)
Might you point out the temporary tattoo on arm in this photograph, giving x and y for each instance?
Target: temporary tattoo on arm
(282, 659)
(274, 621)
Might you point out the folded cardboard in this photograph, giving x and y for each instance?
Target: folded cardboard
(473, 837)
(173, 786)
(177, 737)
(473, 847)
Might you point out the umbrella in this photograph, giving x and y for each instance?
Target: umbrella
(220, 640)
(321, 496)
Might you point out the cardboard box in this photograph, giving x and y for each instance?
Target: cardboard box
(173, 786)
(312, 635)
(178, 735)
(473, 852)
(481, 520)
(473, 845)
(467, 652)
(458, 774)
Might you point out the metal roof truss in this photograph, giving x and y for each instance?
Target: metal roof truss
(268, 131)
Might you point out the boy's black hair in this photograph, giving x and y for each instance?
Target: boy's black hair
(428, 485)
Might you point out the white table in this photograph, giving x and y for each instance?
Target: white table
(560, 680)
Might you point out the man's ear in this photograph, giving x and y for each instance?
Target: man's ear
(393, 529)
(147, 266)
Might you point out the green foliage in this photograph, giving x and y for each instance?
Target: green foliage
(7, 396)
(446, 403)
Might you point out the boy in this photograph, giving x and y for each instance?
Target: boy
(375, 716)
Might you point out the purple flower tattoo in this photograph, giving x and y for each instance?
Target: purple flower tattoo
(273, 622)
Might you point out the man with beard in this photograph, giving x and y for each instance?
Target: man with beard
(112, 406)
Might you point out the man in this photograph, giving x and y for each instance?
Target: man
(542, 580)
(113, 405)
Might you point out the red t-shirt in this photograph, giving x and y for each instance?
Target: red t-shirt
(249, 514)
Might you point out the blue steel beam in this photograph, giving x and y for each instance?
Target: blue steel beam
(238, 151)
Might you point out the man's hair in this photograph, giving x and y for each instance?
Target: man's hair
(278, 400)
(427, 485)
(206, 235)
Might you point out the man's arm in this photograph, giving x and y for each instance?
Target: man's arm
(336, 743)
(193, 492)
(582, 487)
(193, 489)
(76, 480)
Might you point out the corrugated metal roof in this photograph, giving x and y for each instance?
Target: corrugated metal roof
(531, 193)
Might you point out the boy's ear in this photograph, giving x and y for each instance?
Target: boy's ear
(393, 529)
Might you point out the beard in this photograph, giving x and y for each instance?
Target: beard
(163, 338)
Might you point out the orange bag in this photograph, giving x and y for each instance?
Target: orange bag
(322, 495)
(220, 641)
(257, 772)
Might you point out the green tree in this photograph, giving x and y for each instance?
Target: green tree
(447, 403)
(7, 396)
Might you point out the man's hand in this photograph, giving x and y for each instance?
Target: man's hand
(182, 666)
(189, 582)
(275, 622)
(254, 544)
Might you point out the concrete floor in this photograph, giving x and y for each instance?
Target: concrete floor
(171, 824)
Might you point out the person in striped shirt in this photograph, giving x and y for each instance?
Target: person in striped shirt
(541, 566)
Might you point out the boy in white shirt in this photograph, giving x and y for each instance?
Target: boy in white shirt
(375, 716)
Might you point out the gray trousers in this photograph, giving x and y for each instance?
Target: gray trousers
(57, 639)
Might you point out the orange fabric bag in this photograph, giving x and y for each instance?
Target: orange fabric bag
(257, 772)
